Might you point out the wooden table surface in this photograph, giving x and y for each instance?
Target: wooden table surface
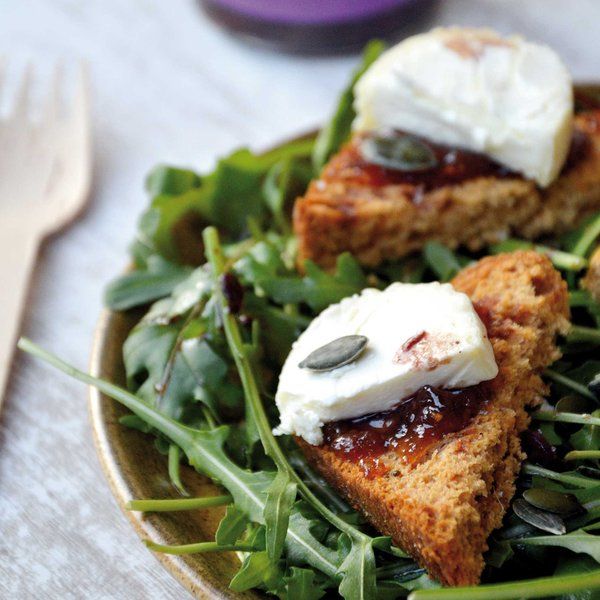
(168, 86)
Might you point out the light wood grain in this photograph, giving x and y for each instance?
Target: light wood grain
(167, 87)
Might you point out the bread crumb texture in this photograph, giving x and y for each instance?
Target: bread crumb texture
(442, 510)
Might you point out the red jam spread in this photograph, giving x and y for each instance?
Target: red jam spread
(454, 166)
(410, 429)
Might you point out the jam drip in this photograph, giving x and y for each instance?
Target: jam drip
(410, 428)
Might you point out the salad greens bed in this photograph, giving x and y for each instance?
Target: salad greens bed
(214, 271)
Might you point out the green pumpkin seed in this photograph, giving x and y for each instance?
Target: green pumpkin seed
(553, 501)
(573, 404)
(335, 354)
(400, 152)
(539, 518)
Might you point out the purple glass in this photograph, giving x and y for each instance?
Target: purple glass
(310, 11)
(318, 26)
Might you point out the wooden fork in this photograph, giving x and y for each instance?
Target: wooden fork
(45, 174)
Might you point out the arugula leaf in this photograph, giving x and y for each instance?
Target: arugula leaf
(317, 288)
(581, 240)
(577, 541)
(577, 565)
(256, 570)
(142, 286)
(358, 571)
(281, 495)
(337, 131)
(205, 452)
(441, 260)
(285, 181)
(231, 527)
(301, 585)
(227, 197)
(588, 437)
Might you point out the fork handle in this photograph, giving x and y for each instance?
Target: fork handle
(18, 250)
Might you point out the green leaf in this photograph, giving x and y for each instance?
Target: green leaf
(164, 179)
(577, 565)
(317, 288)
(285, 181)
(142, 286)
(332, 136)
(174, 467)
(441, 260)
(185, 296)
(581, 240)
(301, 585)
(256, 570)
(205, 452)
(543, 587)
(281, 495)
(358, 572)
(588, 437)
(231, 527)
(228, 197)
(278, 328)
(577, 541)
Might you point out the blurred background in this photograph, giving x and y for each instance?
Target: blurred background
(172, 82)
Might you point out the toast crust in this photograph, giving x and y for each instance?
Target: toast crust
(342, 212)
(442, 509)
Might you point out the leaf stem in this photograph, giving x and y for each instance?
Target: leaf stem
(578, 334)
(574, 480)
(234, 339)
(567, 382)
(529, 588)
(177, 504)
(589, 234)
(565, 417)
(198, 548)
(582, 454)
(180, 434)
(174, 464)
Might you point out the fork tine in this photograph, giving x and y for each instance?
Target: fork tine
(79, 110)
(23, 97)
(53, 102)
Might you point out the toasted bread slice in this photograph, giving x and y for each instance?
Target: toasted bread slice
(346, 210)
(442, 509)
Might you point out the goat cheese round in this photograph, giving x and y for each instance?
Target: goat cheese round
(418, 334)
(504, 97)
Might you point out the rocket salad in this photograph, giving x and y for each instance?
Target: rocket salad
(214, 269)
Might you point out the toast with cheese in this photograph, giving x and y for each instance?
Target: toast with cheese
(442, 508)
(345, 211)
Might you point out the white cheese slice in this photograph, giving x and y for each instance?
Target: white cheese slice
(418, 334)
(470, 88)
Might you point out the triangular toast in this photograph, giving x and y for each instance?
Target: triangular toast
(356, 207)
(442, 509)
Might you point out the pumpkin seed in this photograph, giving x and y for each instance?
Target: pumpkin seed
(539, 518)
(335, 354)
(553, 501)
(399, 152)
(573, 404)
